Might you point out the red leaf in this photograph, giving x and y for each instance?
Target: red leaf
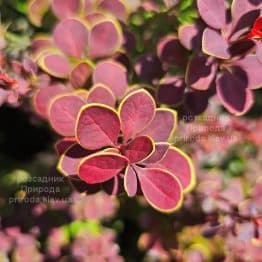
(137, 110)
(161, 189)
(81, 74)
(138, 149)
(101, 167)
(97, 126)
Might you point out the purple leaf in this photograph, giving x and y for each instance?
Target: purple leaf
(200, 73)
(149, 68)
(214, 44)
(113, 75)
(117, 8)
(170, 51)
(190, 36)
(171, 90)
(158, 154)
(253, 70)
(43, 97)
(213, 12)
(233, 93)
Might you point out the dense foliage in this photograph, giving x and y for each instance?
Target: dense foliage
(116, 112)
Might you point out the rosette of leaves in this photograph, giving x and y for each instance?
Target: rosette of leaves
(227, 57)
(122, 150)
(88, 9)
(78, 39)
(109, 80)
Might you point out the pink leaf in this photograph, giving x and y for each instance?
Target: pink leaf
(101, 167)
(65, 8)
(137, 110)
(97, 126)
(213, 12)
(130, 181)
(161, 189)
(113, 75)
(117, 8)
(105, 38)
(43, 97)
(71, 36)
(55, 64)
(180, 165)
(162, 126)
(101, 94)
(63, 112)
